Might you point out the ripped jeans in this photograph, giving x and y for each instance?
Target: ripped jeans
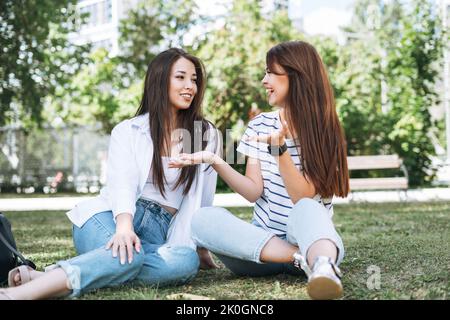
(156, 264)
(238, 244)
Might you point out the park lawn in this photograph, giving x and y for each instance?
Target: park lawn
(409, 243)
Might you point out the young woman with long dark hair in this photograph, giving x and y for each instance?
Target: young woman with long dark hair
(138, 228)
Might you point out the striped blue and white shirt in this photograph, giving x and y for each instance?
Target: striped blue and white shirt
(272, 209)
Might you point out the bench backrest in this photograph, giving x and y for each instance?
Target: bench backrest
(374, 162)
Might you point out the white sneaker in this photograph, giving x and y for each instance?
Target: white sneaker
(324, 280)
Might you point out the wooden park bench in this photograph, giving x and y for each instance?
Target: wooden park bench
(377, 162)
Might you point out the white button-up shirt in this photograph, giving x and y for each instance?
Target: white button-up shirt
(129, 162)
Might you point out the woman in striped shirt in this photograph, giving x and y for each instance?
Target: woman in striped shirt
(296, 164)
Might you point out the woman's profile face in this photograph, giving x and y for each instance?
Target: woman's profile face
(182, 84)
(276, 82)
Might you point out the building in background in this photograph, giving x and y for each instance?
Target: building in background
(296, 14)
(102, 26)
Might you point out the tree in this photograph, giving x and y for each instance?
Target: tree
(96, 95)
(36, 56)
(151, 27)
(412, 74)
(234, 56)
(386, 84)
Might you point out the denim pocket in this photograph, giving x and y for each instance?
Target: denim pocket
(138, 220)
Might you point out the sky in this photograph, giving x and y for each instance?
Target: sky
(322, 16)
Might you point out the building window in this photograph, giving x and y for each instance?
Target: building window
(109, 10)
(99, 13)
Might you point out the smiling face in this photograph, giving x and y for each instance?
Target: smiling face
(182, 84)
(276, 82)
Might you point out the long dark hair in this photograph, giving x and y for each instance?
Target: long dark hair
(311, 114)
(155, 102)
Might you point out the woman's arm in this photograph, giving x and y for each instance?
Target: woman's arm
(122, 180)
(297, 185)
(250, 185)
(122, 172)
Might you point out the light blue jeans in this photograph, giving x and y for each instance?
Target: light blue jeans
(156, 264)
(238, 244)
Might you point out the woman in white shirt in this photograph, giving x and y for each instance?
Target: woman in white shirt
(138, 228)
(296, 163)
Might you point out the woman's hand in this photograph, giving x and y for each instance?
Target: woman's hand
(206, 261)
(186, 159)
(123, 243)
(276, 138)
(124, 240)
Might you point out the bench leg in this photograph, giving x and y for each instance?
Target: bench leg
(403, 195)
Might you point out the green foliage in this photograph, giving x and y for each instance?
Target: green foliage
(36, 56)
(235, 59)
(412, 74)
(96, 95)
(151, 27)
(383, 77)
(387, 83)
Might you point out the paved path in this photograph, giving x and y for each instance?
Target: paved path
(233, 200)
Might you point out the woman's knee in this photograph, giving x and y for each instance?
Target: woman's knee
(181, 265)
(131, 266)
(190, 265)
(138, 258)
(306, 207)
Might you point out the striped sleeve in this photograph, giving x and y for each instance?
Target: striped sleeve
(250, 148)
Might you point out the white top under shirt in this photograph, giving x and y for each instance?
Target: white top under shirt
(272, 209)
(173, 197)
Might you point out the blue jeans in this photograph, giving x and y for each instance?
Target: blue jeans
(156, 264)
(238, 244)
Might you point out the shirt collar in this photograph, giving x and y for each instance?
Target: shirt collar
(141, 122)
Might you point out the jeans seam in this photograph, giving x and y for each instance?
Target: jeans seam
(103, 226)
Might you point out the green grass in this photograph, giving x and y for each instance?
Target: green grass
(408, 242)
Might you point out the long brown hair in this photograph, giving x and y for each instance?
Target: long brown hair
(155, 102)
(311, 114)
